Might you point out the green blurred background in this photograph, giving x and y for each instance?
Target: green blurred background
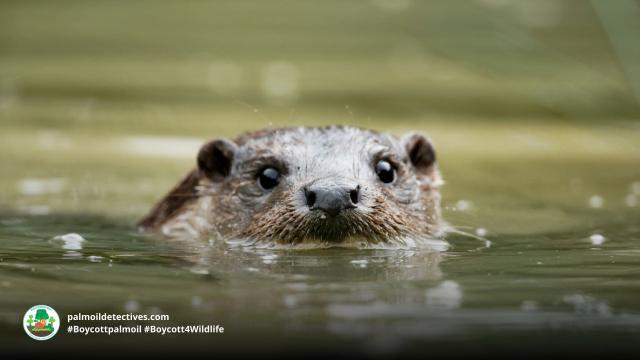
(103, 104)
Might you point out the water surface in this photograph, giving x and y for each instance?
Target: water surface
(103, 106)
(573, 289)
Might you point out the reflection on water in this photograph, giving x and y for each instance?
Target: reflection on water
(352, 264)
(532, 106)
(377, 300)
(541, 247)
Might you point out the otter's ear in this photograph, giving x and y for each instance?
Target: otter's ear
(215, 158)
(420, 151)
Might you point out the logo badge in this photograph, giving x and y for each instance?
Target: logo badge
(41, 322)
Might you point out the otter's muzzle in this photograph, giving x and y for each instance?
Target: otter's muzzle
(332, 195)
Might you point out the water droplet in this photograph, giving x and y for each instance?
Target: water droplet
(360, 263)
(464, 205)
(269, 259)
(71, 241)
(199, 271)
(597, 239)
(596, 201)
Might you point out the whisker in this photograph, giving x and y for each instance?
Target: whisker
(487, 242)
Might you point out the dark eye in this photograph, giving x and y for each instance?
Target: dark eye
(269, 178)
(385, 171)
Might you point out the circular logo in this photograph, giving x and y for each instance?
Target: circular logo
(41, 322)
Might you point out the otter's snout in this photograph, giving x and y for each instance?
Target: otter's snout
(332, 197)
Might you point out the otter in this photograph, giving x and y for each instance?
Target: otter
(307, 184)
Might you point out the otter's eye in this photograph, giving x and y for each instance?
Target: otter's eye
(269, 178)
(385, 171)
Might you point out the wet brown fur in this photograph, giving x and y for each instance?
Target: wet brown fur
(229, 207)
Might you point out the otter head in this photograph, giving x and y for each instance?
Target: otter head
(328, 184)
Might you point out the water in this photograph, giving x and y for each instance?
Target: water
(559, 290)
(530, 105)
(545, 256)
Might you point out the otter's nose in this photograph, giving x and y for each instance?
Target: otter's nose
(332, 198)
